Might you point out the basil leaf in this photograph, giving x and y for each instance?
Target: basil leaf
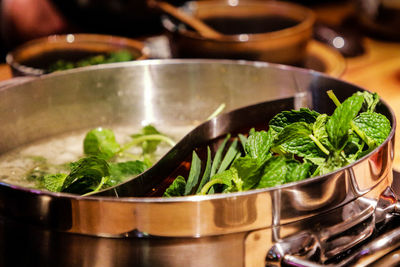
(375, 125)
(285, 118)
(339, 123)
(177, 188)
(101, 143)
(274, 172)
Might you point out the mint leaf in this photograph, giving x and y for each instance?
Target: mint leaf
(370, 101)
(354, 147)
(224, 178)
(54, 182)
(274, 172)
(120, 171)
(258, 145)
(177, 188)
(148, 146)
(101, 143)
(297, 171)
(285, 118)
(248, 170)
(85, 175)
(339, 123)
(319, 131)
(333, 162)
(375, 125)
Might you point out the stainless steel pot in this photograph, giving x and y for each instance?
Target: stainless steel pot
(316, 219)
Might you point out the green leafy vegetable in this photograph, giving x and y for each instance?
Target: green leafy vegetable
(149, 146)
(207, 171)
(177, 188)
(54, 182)
(103, 167)
(101, 143)
(298, 144)
(376, 126)
(121, 170)
(274, 172)
(86, 174)
(117, 56)
(285, 118)
(339, 123)
(194, 174)
(258, 145)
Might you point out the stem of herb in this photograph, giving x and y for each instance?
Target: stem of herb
(209, 184)
(333, 97)
(217, 111)
(103, 180)
(319, 144)
(150, 137)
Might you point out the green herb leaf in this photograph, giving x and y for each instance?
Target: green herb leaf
(224, 178)
(148, 146)
(258, 145)
(285, 118)
(120, 171)
(177, 188)
(206, 175)
(101, 143)
(370, 101)
(375, 125)
(230, 155)
(218, 156)
(274, 172)
(54, 182)
(339, 123)
(85, 175)
(248, 170)
(194, 174)
(297, 171)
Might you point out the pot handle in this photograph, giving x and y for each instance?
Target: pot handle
(303, 250)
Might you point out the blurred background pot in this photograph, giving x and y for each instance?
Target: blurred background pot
(270, 31)
(36, 56)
